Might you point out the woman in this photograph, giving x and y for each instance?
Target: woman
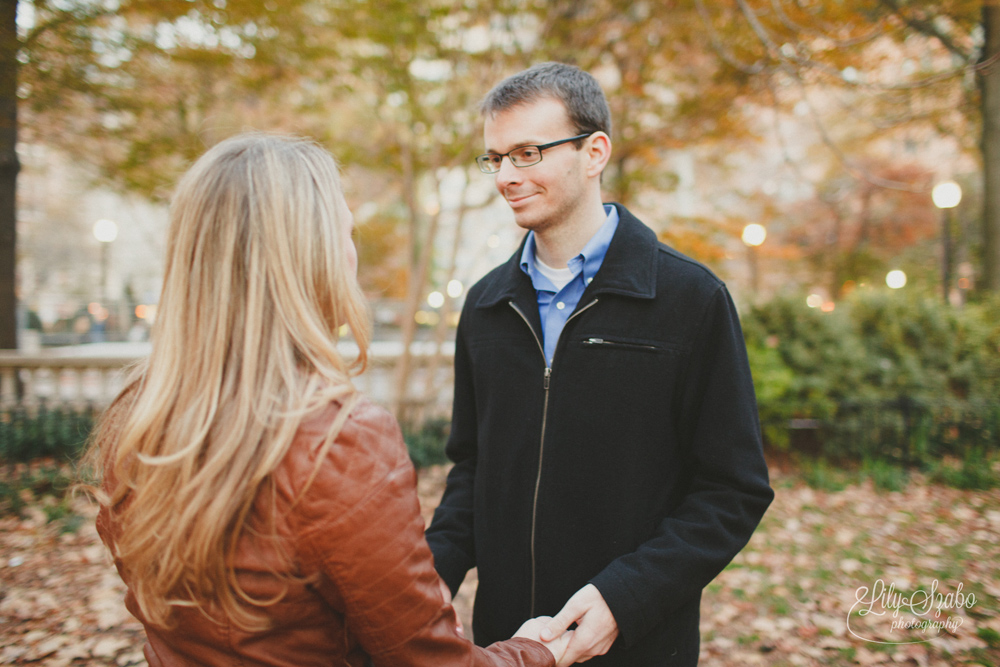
(259, 511)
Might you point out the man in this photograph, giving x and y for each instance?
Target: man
(608, 461)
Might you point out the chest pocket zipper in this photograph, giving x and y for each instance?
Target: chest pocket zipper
(603, 342)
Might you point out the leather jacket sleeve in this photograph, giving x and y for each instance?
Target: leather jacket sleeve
(360, 534)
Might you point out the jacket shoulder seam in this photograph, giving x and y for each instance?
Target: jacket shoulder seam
(667, 250)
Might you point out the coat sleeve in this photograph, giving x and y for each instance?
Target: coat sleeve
(360, 530)
(451, 534)
(727, 493)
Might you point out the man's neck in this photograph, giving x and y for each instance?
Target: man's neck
(557, 245)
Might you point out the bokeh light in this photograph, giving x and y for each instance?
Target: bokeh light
(947, 194)
(754, 234)
(105, 231)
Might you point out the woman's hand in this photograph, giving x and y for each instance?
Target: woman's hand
(532, 630)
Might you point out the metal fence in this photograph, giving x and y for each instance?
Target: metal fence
(906, 430)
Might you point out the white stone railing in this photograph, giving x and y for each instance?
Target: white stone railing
(32, 379)
(91, 376)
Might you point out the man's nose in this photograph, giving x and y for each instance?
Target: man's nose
(508, 173)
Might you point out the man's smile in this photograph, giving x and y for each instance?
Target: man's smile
(516, 200)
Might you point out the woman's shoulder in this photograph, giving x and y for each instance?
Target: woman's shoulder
(349, 454)
(366, 423)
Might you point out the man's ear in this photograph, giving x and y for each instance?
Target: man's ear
(598, 151)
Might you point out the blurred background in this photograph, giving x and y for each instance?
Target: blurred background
(836, 162)
(813, 152)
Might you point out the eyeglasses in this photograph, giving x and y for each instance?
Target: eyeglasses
(522, 156)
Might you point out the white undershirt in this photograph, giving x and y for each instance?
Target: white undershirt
(559, 277)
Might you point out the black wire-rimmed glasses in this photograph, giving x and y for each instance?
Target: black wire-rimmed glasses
(522, 156)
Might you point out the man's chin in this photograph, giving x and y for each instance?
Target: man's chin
(527, 221)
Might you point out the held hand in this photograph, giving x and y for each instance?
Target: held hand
(596, 627)
(446, 592)
(533, 628)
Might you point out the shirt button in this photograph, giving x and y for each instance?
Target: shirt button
(590, 280)
(560, 305)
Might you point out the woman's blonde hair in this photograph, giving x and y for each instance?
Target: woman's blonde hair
(257, 287)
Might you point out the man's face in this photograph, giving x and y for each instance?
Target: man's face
(549, 193)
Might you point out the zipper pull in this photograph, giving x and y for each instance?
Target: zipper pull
(548, 375)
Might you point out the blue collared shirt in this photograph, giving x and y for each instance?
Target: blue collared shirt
(556, 306)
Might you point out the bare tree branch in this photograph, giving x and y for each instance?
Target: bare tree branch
(857, 172)
(787, 21)
(778, 53)
(64, 18)
(928, 28)
(719, 48)
(798, 61)
(779, 135)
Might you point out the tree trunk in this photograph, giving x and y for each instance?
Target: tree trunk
(989, 87)
(409, 327)
(418, 280)
(432, 386)
(422, 252)
(9, 166)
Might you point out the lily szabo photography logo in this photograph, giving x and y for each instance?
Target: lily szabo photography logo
(883, 615)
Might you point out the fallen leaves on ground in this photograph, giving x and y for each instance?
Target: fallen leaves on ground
(787, 599)
(839, 578)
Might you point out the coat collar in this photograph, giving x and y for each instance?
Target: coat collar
(629, 268)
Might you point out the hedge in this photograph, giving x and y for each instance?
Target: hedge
(885, 375)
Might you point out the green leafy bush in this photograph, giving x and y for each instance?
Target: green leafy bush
(819, 474)
(885, 475)
(426, 443)
(976, 471)
(59, 433)
(891, 376)
(23, 484)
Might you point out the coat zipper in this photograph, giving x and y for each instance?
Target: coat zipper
(546, 378)
(615, 343)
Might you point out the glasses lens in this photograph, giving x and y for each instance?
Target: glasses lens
(489, 164)
(522, 157)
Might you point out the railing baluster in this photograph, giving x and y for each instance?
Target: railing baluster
(29, 384)
(8, 385)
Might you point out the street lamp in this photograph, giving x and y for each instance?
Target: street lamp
(435, 299)
(946, 196)
(895, 279)
(105, 231)
(753, 236)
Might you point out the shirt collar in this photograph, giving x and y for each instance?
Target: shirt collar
(589, 260)
(629, 269)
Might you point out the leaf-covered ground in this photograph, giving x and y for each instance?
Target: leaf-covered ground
(786, 600)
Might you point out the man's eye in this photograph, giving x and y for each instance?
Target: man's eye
(528, 153)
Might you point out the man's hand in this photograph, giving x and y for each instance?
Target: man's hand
(533, 628)
(446, 592)
(596, 628)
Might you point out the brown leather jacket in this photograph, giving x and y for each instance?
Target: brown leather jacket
(356, 536)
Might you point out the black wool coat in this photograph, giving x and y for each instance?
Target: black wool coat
(634, 462)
